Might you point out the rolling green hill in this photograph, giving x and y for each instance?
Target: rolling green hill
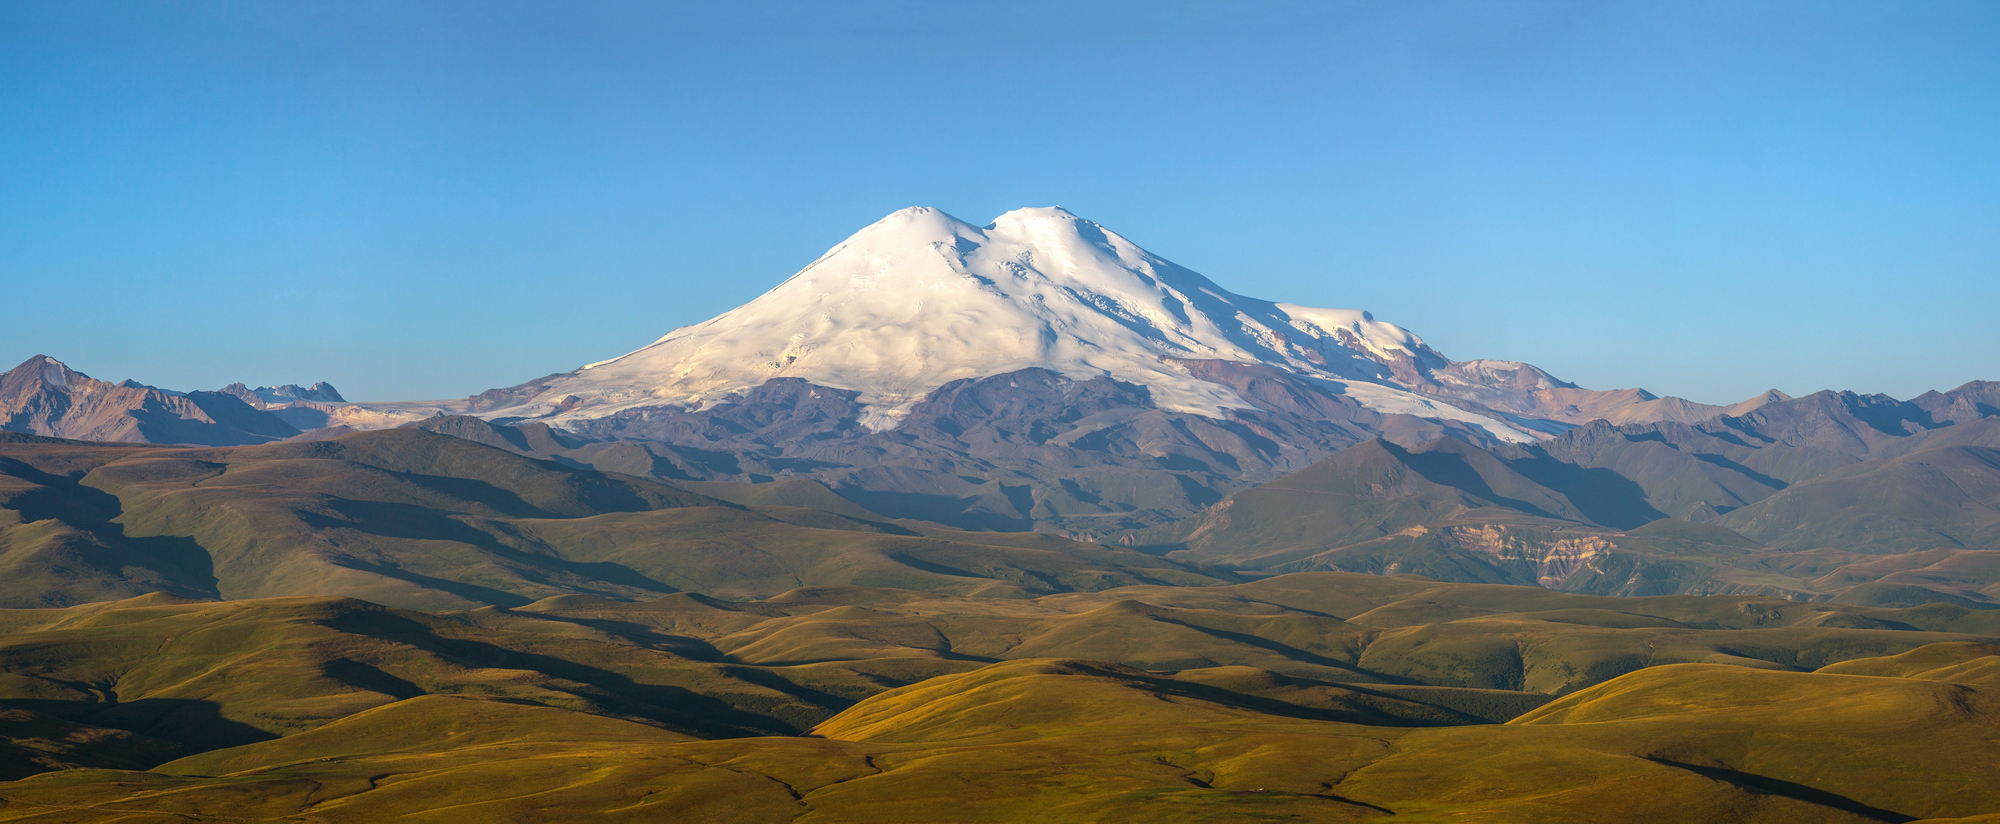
(416, 519)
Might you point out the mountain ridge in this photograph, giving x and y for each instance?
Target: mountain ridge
(920, 298)
(1043, 372)
(43, 396)
(1808, 498)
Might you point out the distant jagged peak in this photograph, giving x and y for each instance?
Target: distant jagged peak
(42, 373)
(1746, 406)
(49, 371)
(322, 392)
(261, 396)
(44, 396)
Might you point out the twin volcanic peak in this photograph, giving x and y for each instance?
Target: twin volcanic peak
(921, 298)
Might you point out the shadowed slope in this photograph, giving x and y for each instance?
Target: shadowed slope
(429, 724)
(1356, 495)
(417, 519)
(1584, 511)
(1947, 497)
(1960, 662)
(576, 707)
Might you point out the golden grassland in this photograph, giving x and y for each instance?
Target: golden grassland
(1308, 697)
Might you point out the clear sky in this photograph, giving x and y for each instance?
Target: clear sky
(426, 200)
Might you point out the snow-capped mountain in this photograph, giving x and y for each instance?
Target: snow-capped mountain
(921, 298)
(1040, 371)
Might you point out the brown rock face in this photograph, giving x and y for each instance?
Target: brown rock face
(45, 397)
(1555, 561)
(1410, 369)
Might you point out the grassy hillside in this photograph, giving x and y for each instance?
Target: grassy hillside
(1358, 494)
(1064, 740)
(1947, 497)
(422, 520)
(1326, 695)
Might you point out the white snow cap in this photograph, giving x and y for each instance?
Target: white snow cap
(56, 373)
(921, 298)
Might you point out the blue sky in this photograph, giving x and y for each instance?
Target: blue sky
(426, 200)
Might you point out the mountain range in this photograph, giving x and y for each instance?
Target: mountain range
(1040, 372)
(1045, 373)
(1796, 498)
(992, 524)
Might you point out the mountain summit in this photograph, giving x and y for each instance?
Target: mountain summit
(921, 298)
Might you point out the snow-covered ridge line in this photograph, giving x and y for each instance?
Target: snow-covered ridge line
(921, 298)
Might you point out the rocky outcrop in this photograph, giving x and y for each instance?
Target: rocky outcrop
(1553, 561)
